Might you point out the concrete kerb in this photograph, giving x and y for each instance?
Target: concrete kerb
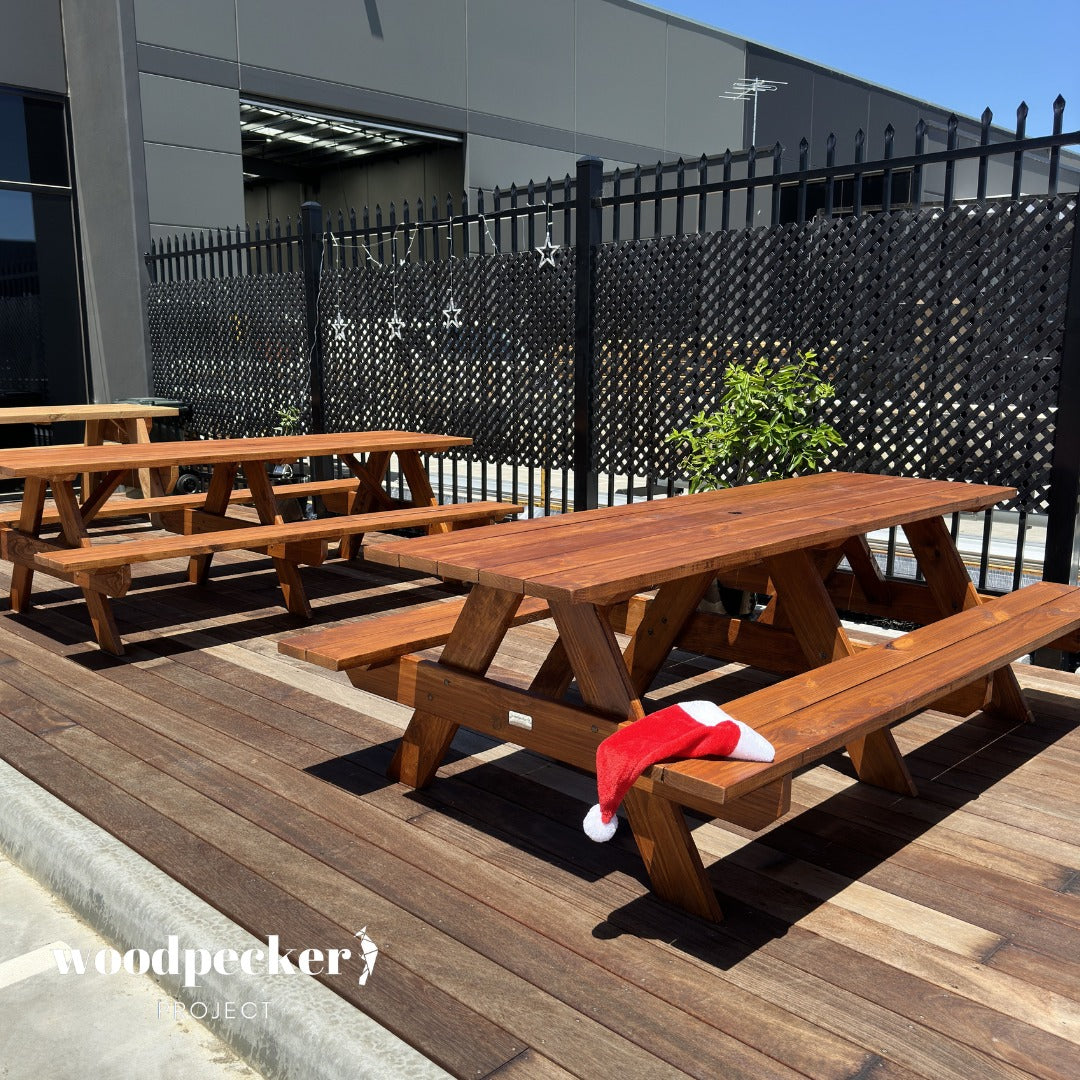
(311, 1032)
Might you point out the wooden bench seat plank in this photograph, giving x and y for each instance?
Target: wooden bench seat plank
(805, 717)
(124, 507)
(264, 537)
(385, 637)
(811, 715)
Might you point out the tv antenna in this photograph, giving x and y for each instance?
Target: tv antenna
(745, 89)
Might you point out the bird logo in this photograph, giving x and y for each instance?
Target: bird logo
(369, 952)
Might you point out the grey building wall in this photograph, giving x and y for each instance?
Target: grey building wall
(110, 189)
(191, 141)
(817, 102)
(32, 46)
(529, 88)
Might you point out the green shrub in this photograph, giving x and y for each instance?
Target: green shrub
(765, 427)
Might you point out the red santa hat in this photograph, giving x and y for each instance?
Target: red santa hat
(689, 729)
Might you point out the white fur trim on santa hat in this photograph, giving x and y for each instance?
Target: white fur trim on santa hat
(596, 828)
(752, 746)
(704, 712)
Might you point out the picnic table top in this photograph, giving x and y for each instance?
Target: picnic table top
(50, 414)
(600, 556)
(54, 461)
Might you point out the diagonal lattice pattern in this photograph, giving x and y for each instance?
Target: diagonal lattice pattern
(503, 377)
(234, 348)
(942, 332)
(22, 356)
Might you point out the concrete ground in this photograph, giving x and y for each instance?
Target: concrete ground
(111, 1027)
(126, 1026)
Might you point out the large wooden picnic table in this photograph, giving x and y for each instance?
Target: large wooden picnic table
(99, 569)
(591, 567)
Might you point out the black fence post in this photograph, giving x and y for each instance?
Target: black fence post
(588, 220)
(1062, 551)
(311, 237)
(1062, 535)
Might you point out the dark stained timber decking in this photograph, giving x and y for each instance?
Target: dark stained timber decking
(865, 935)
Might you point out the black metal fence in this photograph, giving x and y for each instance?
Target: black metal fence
(569, 327)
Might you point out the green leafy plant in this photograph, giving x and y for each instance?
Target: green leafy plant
(288, 420)
(765, 427)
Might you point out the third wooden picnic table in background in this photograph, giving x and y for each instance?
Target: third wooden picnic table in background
(119, 422)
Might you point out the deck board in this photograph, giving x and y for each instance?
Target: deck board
(866, 934)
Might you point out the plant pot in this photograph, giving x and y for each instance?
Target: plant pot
(720, 600)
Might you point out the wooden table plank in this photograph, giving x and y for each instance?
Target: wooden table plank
(51, 461)
(716, 548)
(746, 531)
(56, 414)
(534, 533)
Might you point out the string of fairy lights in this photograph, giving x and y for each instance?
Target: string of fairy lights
(452, 313)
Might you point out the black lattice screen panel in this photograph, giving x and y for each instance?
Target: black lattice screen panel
(234, 348)
(504, 377)
(942, 332)
(22, 352)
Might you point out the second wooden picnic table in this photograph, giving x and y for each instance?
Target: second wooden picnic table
(202, 522)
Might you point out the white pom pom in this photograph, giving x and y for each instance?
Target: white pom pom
(596, 828)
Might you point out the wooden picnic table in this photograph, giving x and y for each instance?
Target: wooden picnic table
(202, 522)
(120, 422)
(589, 570)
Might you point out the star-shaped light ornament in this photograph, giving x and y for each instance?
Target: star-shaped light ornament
(547, 251)
(396, 324)
(339, 326)
(451, 315)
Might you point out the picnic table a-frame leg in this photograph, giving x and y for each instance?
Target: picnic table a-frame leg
(30, 514)
(674, 866)
(953, 591)
(73, 527)
(807, 606)
(262, 495)
(471, 647)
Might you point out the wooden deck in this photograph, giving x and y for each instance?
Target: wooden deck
(867, 935)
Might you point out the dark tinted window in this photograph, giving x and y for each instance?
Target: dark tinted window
(16, 217)
(14, 163)
(33, 140)
(46, 142)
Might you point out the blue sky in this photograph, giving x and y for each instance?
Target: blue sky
(959, 54)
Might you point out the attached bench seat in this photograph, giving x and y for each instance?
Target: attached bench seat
(386, 637)
(276, 540)
(806, 716)
(809, 716)
(121, 507)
